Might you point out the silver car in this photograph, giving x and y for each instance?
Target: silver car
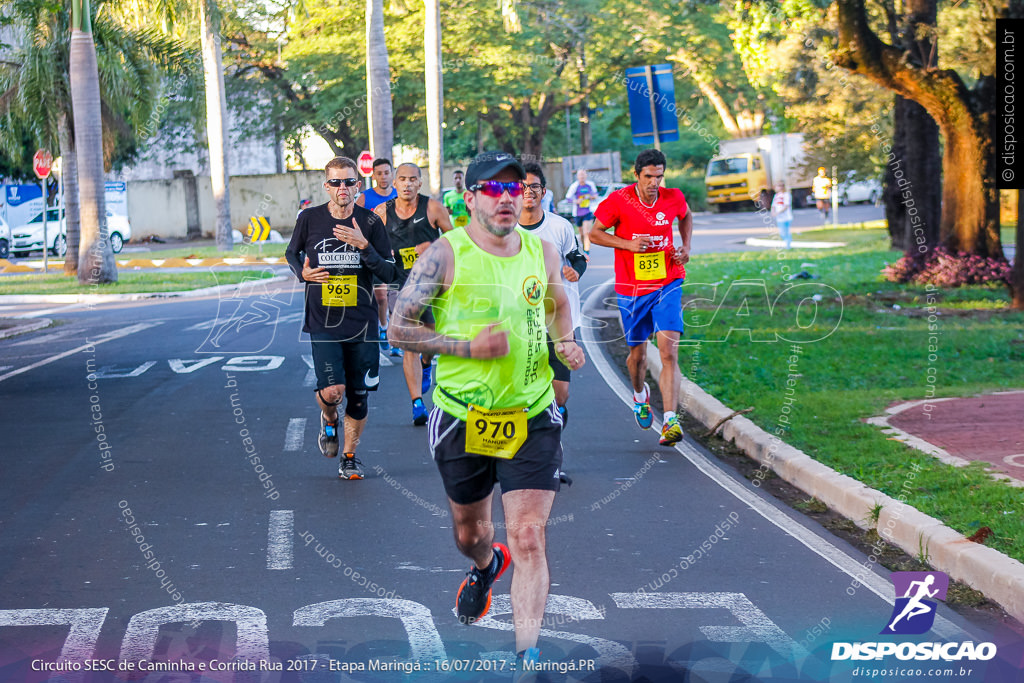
(28, 237)
(5, 238)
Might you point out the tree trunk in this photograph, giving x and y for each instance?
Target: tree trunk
(585, 141)
(913, 197)
(709, 91)
(1015, 10)
(434, 94)
(216, 117)
(1017, 273)
(970, 201)
(95, 258)
(69, 178)
(380, 116)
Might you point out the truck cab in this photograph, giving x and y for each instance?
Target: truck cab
(735, 178)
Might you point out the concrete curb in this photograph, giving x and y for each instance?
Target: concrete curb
(30, 326)
(172, 262)
(104, 298)
(999, 577)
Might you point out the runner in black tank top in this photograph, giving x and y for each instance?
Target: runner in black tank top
(406, 233)
(425, 220)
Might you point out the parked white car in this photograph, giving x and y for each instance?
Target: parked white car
(29, 236)
(5, 238)
(859, 191)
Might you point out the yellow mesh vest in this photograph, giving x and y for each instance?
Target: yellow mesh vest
(487, 289)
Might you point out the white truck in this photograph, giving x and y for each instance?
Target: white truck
(746, 170)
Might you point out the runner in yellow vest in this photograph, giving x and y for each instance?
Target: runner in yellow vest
(495, 292)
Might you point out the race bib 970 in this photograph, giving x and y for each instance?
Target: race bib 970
(497, 433)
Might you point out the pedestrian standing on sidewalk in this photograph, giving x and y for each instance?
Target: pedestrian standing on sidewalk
(649, 277)
(782, 211)
(337, 249)
(822, 188)
(413, 221)
(492, 287)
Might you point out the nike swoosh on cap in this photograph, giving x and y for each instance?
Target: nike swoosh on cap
(371, 381)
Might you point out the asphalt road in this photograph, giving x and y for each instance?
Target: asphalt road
(664, 566)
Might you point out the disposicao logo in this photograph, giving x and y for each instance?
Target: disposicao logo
(913, 614)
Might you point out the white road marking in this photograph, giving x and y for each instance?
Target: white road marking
(757, 627)
(310, 379)
(205, 325)
(80, 643)
(251, 628)
(279, 539)
(112, 371)
(385, 361)
(424, 640)
(610, 653)
(253, 363)
(109, 336)
(184, 367)
(295, 434)
(53, 336)
(830, 553)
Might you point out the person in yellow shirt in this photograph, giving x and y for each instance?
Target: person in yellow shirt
(822, 188)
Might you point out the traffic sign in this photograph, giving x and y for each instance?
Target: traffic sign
(365, 162)
(42, 161)
(652, 104)
(259, 229)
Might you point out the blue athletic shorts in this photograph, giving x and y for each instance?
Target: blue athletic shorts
(654, 312)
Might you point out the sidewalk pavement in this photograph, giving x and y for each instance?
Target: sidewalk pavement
(6, 267)
(999, 577)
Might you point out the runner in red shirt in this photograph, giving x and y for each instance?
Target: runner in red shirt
(649, 277)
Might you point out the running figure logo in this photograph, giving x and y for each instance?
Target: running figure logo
(913, 614)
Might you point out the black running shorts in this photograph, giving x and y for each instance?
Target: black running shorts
(470, 478)
(561, 370)
(356, 364)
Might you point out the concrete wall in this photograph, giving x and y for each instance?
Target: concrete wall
(157, 207)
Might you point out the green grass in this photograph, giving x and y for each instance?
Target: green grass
(866, 348)
(239, 251)
(127, 282)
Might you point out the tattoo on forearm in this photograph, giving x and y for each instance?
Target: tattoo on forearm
(425, 282)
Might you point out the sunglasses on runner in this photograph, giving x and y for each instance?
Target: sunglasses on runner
(337, 182)
(494, 188)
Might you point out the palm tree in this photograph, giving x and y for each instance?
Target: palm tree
(378, 82)
(95, 257)
(216, 115)
(35, 93)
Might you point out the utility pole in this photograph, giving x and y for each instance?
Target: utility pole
(581, 64)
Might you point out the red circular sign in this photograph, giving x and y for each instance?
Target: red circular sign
(42, 161)
(365, 162)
